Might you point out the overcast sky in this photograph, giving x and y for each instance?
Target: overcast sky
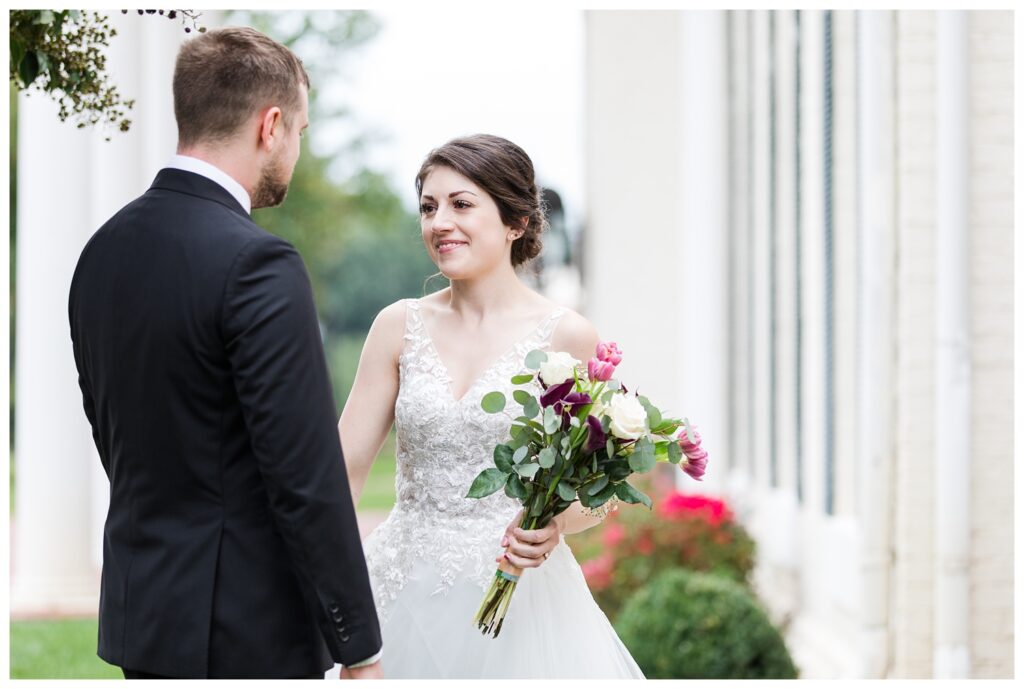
(432, 74)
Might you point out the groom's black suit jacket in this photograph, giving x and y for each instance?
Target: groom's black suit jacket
(231, 546)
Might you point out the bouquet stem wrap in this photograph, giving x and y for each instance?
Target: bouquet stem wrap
(491, 614)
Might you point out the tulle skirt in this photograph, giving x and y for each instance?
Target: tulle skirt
(553, 630)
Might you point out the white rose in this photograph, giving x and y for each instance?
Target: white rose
(558, 368)
(629, 418)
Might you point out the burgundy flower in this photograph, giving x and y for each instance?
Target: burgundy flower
(596, 437)
(556, 393)
(577, 399)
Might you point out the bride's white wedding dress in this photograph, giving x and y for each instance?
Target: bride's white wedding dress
(433, 558)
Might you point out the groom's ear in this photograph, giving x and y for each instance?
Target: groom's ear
(270, 127)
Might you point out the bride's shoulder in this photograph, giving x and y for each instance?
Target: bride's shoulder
(574, 334)
(388, 326)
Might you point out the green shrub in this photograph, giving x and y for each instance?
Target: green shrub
(691, 625)
(634, 545)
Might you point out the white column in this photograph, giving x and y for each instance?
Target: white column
(703, 277)
(53, 454)
(953, 355)
(70, 182)
(876, 328)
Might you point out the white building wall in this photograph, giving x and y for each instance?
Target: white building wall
(856, 587)
(991, 273)
(915, 356)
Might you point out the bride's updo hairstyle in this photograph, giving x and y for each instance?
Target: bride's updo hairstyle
(504, 171)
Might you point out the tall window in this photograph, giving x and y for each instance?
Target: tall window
(799, 276)
(830, 449)
(772, 268)
(750, 253)
(731, 249)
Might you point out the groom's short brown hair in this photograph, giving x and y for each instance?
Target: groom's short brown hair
(225, 75)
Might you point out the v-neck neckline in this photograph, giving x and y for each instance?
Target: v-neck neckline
(476, 381)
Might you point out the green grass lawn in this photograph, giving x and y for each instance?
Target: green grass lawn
(58, 649)
(379, 491)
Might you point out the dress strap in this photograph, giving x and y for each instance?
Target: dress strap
(546, 329)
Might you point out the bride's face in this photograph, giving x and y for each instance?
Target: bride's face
(461, 226)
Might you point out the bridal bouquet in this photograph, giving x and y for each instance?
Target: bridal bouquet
(580, 440)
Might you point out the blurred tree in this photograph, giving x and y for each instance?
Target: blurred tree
(362, 248)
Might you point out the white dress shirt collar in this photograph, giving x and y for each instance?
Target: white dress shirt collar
(214, 174)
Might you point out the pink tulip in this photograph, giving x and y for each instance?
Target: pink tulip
(696, 456)
(684, 440)
(609, 352)
(600, 370)
(695, 468)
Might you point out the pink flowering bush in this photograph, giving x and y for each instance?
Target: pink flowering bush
(688, 530)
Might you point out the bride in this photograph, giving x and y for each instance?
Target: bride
(425, 365)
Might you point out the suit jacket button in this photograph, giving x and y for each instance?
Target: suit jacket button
(338, 618)
(344, 638)
(334, 608)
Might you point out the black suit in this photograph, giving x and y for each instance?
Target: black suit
(231, 547)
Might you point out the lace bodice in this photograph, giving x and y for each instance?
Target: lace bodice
(443, 443)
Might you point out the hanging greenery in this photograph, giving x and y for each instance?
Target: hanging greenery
(61, 53)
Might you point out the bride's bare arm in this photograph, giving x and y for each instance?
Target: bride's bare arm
(370, 407)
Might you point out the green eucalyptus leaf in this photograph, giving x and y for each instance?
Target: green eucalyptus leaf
(552, 421)
(522, 378)
(546, 458)
(566, 491)
(642, 458)
(598, 485)
(520, 454)
(531, 408)
(653, 416)
(619, 471)
(522, 396)
(535, 358)
(689, 431)
(514, 487)
(609, 447)
(675, 453)
(628, 493)
(603, 496)
(503, 458)
(487, 482)
(527, 469)
(493, 402)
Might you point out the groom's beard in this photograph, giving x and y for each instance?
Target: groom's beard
(272, 186)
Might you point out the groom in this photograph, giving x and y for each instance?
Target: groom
(231, 547)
